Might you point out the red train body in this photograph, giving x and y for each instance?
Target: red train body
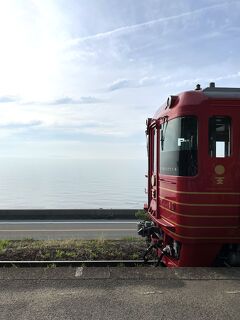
(194, 178)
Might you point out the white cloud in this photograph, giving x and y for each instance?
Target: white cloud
(137, 83)
(20, 125)
(6, 99)
(136, 27)
(119, 84)
(68, 100)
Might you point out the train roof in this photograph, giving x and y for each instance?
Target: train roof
(198, 96)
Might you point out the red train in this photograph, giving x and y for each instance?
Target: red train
(194, 179)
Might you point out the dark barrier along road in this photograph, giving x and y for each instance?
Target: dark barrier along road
(67, 214)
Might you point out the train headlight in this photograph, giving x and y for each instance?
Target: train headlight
(171, 101)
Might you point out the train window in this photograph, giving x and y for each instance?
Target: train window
(219, 136)
(178, 148)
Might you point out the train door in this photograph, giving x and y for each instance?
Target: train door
(220, 150)
(219, 137)
(153, 167)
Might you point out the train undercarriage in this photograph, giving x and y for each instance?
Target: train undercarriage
(167, 250)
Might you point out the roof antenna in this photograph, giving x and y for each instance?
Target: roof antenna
(198, 87)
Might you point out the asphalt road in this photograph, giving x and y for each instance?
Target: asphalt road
(46, 230)
(120, 293)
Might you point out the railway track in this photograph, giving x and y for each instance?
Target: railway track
(87, 263)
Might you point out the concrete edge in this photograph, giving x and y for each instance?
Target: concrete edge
(119, 273)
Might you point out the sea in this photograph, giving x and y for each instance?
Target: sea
(72, 184)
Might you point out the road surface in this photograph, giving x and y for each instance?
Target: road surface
(51, 230)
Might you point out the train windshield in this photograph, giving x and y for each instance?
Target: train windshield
(178, 147)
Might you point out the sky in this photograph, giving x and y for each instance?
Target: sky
(78, 78)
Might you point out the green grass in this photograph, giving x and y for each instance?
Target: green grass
(131, 238)
(141, 215)
(59, 254)
(99, 249)
(136, 256)
(4, 244)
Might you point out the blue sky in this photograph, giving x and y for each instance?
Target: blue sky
(78, 78)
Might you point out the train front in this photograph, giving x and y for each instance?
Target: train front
(194, 179)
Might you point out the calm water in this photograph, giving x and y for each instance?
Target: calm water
(72, 184)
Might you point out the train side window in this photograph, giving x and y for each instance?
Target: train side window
(178, 148)
(219, 137)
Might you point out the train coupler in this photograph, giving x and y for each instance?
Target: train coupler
(154, 237)
(147, 229)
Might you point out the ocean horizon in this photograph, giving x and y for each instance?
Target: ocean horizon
(72, 183)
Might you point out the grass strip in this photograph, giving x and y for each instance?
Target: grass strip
(46, 250)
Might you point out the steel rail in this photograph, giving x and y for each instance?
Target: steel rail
(87, 263)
